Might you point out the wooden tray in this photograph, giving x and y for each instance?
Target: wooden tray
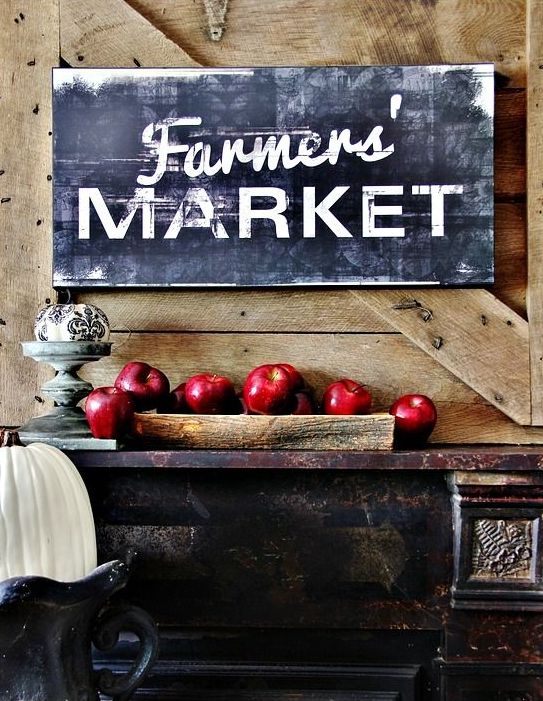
(220, 432)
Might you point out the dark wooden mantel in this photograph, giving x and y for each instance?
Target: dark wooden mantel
(476, 458)
(324, 576)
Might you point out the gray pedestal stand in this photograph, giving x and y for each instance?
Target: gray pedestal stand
(66, 426)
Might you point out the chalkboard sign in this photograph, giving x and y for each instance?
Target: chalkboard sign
(274, 176)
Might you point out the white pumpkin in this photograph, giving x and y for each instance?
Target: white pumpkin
(46, 522)
(71, 322)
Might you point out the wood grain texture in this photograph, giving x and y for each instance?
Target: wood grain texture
(535, 202)
(372, 432)
(109, 33)
(510, 255)
(389, 364)
(276, 311)
(472, 334)
(510, 145)
(29, 40)
(372, 32)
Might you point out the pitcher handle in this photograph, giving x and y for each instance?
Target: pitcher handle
(110, 623)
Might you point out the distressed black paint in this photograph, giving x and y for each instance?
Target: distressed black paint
(441, 133)
(290, 574)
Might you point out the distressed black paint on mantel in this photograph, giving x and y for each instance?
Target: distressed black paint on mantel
(238, 548)
(478, 459)
(413, 128)
(290, 574)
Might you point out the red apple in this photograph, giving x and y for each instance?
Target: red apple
(109, 412)
(298, 382)
(415, 418)
(175, 402)
(210, 394)
(269, 389)
(304, 404)
(346, 397)
(148, 385)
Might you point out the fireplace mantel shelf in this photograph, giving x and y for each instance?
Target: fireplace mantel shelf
(464, 458)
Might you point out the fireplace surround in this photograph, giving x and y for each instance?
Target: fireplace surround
(330, 575)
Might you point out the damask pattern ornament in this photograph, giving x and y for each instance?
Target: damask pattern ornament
(71, 322)
(502, 548)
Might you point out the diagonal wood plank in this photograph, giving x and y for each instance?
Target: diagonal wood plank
(29, 41)
(534, 134)
(110, 33)
(471, 333)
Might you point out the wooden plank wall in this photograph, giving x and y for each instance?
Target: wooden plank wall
(29, 46)
(328, 334)
(534, 38)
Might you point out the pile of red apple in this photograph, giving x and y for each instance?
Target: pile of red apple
(271, 389)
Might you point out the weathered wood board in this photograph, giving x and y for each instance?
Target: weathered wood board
(468, 343)
(369, 432)
(535, 203)
(29, 46)
(294, 33)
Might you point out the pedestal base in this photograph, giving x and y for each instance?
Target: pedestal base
(65, 428)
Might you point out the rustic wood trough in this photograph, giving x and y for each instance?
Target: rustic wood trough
(221, 432)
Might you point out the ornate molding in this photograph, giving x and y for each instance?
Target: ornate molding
(502, 548)
(498, 542)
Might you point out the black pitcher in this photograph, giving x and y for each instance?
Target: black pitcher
(47, 629)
